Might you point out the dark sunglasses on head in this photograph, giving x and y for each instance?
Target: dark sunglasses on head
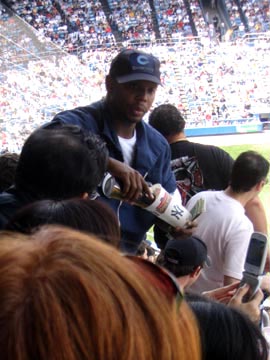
(159, 277)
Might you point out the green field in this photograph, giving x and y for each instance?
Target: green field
(263, 149)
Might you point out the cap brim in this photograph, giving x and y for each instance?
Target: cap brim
(137, 76)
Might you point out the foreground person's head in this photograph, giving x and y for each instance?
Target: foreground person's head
(90, 216)
(60, 163)
(65, 295)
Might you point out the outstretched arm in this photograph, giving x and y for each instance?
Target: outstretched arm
(222, 294)
(256, 213)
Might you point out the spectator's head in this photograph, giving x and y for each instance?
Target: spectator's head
(185, 259)
(167, 119)
(151, 253)
(67, 296)
(226, 333)
(131, 84)
(8, 165)
(86, 215)
(142, 250)
(60, 163)
(250, 169)
(146, 251)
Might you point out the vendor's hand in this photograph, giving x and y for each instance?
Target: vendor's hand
(223, 294)
(250, 308)
(176, 232)
(133, 184)
(182, 232)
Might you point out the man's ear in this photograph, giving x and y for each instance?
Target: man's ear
(196, 272)
(259, 185)
(84, 195)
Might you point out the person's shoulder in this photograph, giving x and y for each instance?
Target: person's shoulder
(197, 196)
(182, 144)
(81, 114)
(208, 149)
(206, 194)
(209, 193)
(216, 149)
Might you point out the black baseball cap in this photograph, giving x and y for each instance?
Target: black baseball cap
(131, 65)
(186, 252)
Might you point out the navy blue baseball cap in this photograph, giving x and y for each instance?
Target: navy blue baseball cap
(186, 252)
(131, 65)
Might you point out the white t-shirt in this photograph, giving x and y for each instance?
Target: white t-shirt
(226, 231)
(128, 147)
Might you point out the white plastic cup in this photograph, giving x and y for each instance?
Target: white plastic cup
(169, 207)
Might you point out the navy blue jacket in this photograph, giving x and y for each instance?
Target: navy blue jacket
(152, 158)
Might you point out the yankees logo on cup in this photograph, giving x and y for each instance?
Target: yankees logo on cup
(168, 207)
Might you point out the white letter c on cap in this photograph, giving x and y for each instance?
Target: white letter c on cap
(142, 60)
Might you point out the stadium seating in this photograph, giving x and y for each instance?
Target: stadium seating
(212, 83)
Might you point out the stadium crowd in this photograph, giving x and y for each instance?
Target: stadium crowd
(208, 90)
(133, 19)
(82, 24)
(172, 19)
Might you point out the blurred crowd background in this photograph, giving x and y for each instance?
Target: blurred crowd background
(55, 54)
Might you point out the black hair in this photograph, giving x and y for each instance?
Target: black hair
(248, 170)
(8, 165)
(226, 333)
(150, 251)
(167, 119)
(91, 216)
(61, 163)
(141, 248)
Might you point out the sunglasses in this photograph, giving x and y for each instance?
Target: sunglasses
(159, 277)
